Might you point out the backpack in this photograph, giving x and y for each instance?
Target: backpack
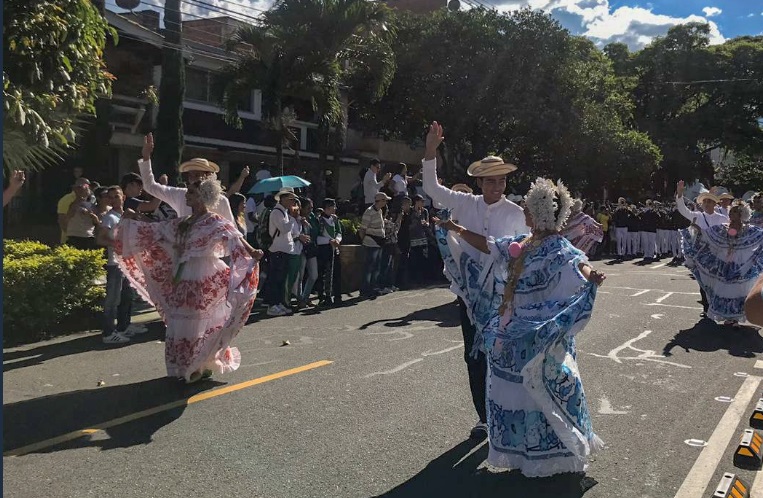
(262, 236)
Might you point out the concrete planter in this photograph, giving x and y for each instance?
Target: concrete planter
(352, 258)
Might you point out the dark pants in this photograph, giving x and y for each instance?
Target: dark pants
(85, 243)
(476, 367)
(418, 264)
(330, 271)
(118, 303)
(372, 269)
(705, 304)
(402, 280)
(276, 287)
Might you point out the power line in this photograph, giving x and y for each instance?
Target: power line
(215, 8)
(183, 48)
(185, 27)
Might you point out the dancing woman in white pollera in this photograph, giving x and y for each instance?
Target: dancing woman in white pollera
(528, 304)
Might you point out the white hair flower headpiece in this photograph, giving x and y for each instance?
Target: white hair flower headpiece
(209, 191)
(549, 204)
(745, 209)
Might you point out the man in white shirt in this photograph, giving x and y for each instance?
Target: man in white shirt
(724, 203)
(278, 253)
(704, 219)
(370, 185)
(490, 214)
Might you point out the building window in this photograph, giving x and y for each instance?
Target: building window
(200, 86)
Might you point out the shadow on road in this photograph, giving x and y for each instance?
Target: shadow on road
(449, 475)
(708, 336)
(446, 315)
(38, 355)
(40, 419)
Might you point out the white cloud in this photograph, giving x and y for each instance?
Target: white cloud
(637, 26)
(596, 19)
(711, 11)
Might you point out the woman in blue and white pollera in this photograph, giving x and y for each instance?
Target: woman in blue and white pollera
(726, 260)
(528, 307)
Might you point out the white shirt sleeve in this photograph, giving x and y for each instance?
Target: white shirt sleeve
(173, 196)
(685, 211)
(439, 194)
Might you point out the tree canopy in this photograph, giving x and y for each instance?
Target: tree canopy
(518, 85)
(690, 97)
(53, 72)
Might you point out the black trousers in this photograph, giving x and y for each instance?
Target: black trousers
(705, 304)
(330, 272)
(475, 367)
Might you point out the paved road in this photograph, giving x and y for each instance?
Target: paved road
(388, 416)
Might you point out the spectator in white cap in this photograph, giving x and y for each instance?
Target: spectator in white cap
(372, 237)
(490, 215)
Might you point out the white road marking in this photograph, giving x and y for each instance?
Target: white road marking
(658, 266)
(674, 306)
(658, 316)
(661, 299)
(759, 364)
(699, 476)
(656, 290)
(756, 491)
(642, 292)
(603, 292)
(429, 353)
(606, 408)
(645, 354)
(396, 369)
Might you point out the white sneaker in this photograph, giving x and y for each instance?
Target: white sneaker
(276, 310)
(115, 338)
(384, 292)
(134, 329)
(287, 310)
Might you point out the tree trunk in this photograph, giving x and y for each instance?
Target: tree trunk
(169, 121)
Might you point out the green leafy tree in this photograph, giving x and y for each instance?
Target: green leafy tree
(518, 85)
(691, 98)
(53, 73)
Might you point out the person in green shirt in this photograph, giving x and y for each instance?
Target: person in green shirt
(328, 241)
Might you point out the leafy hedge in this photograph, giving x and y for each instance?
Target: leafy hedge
(48, 291)
(350, 227)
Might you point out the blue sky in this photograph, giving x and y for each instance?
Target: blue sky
(633, 22)
(638, 22)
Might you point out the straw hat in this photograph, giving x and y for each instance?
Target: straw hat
(199, 164)
(706, 195)
(725, 195)
(462, 187)
(284, 191)
(381, 196)
(490, 166)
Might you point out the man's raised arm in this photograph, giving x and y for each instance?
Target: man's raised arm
(432, 187)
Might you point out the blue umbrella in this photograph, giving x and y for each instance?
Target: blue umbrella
(277, 183)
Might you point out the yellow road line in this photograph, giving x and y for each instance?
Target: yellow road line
(161, 408)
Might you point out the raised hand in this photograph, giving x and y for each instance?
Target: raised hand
(434, 139)
(244, 172)
(148, 147)
(17, 179)
(680, 187)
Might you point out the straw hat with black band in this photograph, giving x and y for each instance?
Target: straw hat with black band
(706, 195)
(199, 164)
(490, 166)
(284, 191)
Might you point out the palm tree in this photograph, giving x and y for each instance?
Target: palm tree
(321, 50)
